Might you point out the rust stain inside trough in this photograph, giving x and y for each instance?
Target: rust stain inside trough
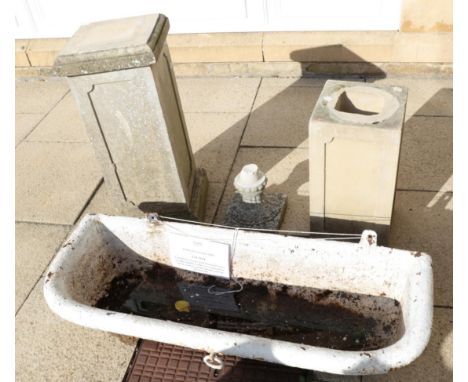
(310, 316)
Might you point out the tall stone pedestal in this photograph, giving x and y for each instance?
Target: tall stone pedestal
(121, 76)
(354, 146)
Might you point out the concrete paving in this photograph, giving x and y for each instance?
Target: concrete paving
(36, 245)
(287, 172)
(25, 123)
(231, 122)
(427, 96)
(49, 348)
(436, 362)
(426, 154)
(54, 181)
(39, 96)
(62, 124)
(280, 116)
(215, 138)
(423, 222)
(217, 95)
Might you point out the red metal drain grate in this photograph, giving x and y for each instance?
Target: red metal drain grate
(158, 362)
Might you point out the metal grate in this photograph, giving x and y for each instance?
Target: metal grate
(158, 362)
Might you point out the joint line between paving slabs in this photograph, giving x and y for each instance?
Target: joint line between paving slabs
(432, 191)
(237, 151)
(45, 115)
(26, 53)
(87, 203)
(443, 307)
(43, 223)
(65, 142)
(431, 116)
(131, 364)
(272, 147)
(42, 273)
(262, 47)
(32, 288)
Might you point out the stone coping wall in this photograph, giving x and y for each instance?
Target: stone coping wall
(281, 53)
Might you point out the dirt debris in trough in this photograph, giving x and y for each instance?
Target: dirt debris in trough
(309, 316)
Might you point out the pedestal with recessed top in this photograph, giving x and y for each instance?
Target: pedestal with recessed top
(354, 146)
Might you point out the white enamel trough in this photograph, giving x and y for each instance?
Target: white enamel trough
(103, 247)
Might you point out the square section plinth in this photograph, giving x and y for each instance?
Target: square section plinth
(355, 135)
(121, 77)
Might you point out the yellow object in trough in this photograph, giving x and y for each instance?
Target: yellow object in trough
(182, 306)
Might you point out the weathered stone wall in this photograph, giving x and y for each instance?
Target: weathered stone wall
(424, 40)
(426, 16)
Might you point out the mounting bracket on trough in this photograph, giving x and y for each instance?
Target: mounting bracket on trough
(368, 238)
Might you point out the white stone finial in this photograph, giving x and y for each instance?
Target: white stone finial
(250, 183)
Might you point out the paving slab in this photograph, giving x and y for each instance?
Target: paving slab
(49, 348)
(304, 81)
(287, 171)
(62, 124)
(101, 203)
(214, 138)
(24, 124)
(285, 83)
(422, 221)
(36, 245)
(281, 116)
(231, 95)
(435, 364)
(426, 157)
(54, 181)
(39, 95)
(213, 199)
(426, 96)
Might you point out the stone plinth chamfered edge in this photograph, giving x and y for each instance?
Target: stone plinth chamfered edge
(141, 48)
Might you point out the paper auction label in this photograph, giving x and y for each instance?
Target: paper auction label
(199, 255)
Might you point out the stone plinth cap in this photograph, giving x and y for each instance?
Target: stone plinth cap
(111, 45)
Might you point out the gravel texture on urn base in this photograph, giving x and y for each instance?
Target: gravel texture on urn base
(268, 214)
